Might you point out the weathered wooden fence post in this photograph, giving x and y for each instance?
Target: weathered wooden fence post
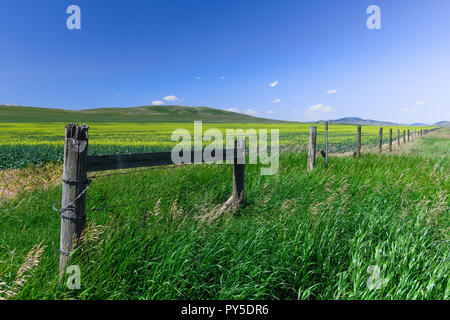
(404, 137)
(358, 142)
(409, 134)
(312, 148)
(380, 141)
(73, 210)
(390, 140)
(238, 173)
(326, 144)
(398, 137)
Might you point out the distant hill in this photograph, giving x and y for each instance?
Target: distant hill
(359, 121)
(365, 122)
(443, 124)
(135, 114)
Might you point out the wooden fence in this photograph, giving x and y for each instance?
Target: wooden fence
(77, 164)
(313, 135)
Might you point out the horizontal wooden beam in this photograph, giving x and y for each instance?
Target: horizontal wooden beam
(136, 160)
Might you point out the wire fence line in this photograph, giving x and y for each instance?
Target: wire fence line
(77, 165)
(207, 188)
(170, 167)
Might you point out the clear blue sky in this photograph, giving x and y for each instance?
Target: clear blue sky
(225, 53)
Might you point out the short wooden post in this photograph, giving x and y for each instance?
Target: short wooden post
(238, 173)
(409, 134)
(404, 137)
(358, 142)
(398, 137)
(326, 144)
(73, 210)
(312, 148)
(390, 140)
(380, 141)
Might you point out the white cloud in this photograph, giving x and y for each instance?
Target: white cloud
(331, 91)
(251, 112)
(405, 109)
(157, 103)
(408, 110)
(232, 109)
(171, 98)
(222, 78)
(273, 84)
(423, 102)
(276, 100)
(270, 112)
(317, 110)
(198, 78)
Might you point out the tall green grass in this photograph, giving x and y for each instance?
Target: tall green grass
(301, 235)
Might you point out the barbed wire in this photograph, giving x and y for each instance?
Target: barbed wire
(174, 166)
(153, 197)
(74, 200)
(208, 187)
(127, 204)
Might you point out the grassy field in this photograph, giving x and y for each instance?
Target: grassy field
(23, 144)
(301, 235)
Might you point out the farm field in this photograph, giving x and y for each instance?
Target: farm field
(301, 235)
(23, 144)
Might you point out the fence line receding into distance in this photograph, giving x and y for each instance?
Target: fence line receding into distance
(77, 164)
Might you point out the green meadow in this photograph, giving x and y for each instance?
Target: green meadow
(370, 228)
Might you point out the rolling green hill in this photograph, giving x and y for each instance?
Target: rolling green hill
(136, 114)
(443, 124)
(362, 122)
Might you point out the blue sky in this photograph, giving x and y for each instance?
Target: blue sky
(321, 59)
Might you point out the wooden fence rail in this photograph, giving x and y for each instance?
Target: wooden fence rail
(129, 161)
